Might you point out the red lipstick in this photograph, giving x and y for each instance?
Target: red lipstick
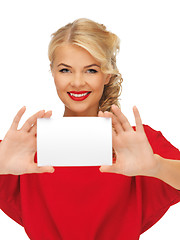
(80, 92)
(78, 98)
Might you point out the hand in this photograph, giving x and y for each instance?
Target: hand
(18, 147)
(134, 155)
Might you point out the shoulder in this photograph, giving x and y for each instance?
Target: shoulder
(152, 134)
(160, 144)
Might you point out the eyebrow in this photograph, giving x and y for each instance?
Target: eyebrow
(84, 67)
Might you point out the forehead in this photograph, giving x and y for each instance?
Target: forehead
(73, 54)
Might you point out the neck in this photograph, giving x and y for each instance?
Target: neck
(69, 113)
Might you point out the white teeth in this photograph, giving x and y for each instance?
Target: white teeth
(78, 95)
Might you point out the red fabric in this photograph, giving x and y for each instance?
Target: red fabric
(83, 203)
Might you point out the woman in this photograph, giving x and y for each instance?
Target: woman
(111, 202)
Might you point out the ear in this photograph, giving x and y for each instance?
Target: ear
(108, 77)
(51, 69)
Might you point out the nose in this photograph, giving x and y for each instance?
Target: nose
(78, 81)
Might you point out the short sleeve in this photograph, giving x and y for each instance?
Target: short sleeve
(156, 195)
(10, 196)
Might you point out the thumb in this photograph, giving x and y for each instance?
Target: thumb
(108, 168)
(43, 169)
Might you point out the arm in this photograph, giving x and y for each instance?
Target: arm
(168, 171)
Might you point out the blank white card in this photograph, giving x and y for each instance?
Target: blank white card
(74, 141)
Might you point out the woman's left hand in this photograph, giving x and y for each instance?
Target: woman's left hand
(134, 155)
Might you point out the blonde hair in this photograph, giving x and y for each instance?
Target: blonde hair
(103, 45)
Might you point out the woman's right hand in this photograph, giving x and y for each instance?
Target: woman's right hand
(18, 148)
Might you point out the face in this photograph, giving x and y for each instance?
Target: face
(75, 69)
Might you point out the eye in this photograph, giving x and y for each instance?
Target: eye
(64, 70)
(92, 71)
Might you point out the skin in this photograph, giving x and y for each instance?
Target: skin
(134, 155)
(18, 147)
(78, 78)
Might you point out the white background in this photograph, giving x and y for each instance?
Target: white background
(149, 61)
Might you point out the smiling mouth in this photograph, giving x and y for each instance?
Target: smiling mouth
(78, 95)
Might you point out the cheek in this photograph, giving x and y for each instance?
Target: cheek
(99, 84)
(59, 88)
(58, 83)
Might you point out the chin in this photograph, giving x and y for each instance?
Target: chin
(79, 111)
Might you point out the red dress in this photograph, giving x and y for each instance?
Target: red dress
(84, 204)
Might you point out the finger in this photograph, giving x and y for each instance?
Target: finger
(121, 117)
(115, 123)
(48, 114)
(139, 125)
(115, 131)
(33, 129)
(31, 121)
(109, 168)
(17, 118)
(36, 169)
(43, 169)
(100, 114)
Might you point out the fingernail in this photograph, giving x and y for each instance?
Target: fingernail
(106, 112)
